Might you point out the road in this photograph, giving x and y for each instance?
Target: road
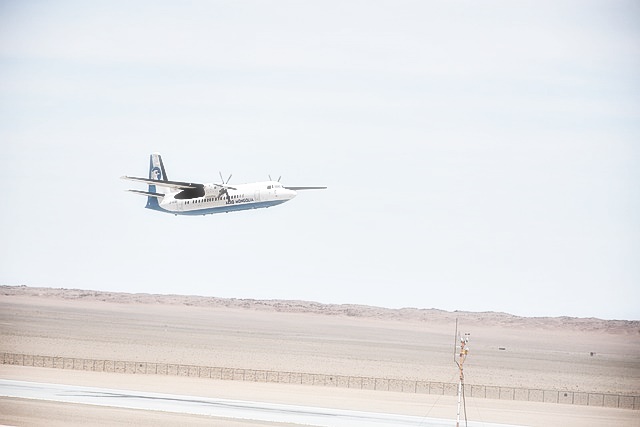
(224, 408)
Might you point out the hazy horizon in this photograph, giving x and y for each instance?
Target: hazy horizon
(98, 292)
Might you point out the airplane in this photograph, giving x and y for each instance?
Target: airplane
(188, 198)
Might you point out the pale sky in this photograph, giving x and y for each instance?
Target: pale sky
(480, 156)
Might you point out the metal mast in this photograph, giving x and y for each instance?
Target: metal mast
(459, 358)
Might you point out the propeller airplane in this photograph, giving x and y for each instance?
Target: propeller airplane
(188, 198)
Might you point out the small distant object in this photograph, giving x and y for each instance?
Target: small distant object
(502, 348)
(188, 198)
(592, 353)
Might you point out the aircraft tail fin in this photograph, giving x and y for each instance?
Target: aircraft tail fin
(156, 173)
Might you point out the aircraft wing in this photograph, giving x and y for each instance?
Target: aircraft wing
(147, 193)
(173, 184)
(305, 188)
(170, 184)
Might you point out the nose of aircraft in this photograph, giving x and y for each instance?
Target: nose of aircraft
(288, 194)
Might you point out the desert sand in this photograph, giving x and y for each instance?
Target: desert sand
(583, 355)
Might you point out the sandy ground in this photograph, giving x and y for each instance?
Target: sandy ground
(544, 353)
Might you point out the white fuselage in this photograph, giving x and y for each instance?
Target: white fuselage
(216, 200)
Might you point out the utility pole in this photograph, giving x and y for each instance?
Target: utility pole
(459, 358)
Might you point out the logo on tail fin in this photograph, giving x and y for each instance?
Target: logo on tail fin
(155, 173)
(156, 168)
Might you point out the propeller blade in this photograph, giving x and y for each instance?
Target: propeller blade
(270, 179)
(221, 178)
(279, 178)
(229, 179)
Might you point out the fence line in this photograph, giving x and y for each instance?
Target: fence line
(364, 383)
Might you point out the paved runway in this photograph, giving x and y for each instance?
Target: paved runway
(224, 408)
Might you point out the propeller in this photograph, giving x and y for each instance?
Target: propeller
(228, 179)
(279, 178)
(223, 190)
